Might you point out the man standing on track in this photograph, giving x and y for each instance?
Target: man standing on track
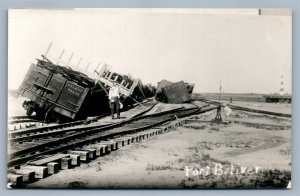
(114, 100)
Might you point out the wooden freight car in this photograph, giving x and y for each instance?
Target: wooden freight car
(58, 93)
(178, 92)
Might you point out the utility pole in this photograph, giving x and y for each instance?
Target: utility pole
(218, 117)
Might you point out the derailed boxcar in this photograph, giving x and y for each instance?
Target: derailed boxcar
(58, 93)
(178, 92)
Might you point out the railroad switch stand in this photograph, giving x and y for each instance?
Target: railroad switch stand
(218, 117)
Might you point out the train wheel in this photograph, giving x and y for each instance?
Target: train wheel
(29, 111)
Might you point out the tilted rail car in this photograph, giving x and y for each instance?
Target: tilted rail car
(58, 93)
(178, 92)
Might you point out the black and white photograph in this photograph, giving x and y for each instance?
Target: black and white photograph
(149, 98)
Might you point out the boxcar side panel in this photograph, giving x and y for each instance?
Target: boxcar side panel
(56, 85)
(71, 99)
(34, 77)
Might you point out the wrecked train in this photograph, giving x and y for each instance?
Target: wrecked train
(58, 93)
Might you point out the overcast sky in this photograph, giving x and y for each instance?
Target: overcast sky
(248, 52)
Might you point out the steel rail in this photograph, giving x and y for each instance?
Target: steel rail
(49, 127)
(21, 117)
(22, 121)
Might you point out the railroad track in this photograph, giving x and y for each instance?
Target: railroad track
(247, 109)
(20, 117)
(25, 140)
(29, 124)
(21, 122)
(59, 129)
(26, 120)
(49, 128)
(33, 149)
(17, 125)
(88, 145)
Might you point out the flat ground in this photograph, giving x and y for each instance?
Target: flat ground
(175, 159)
(272, 107)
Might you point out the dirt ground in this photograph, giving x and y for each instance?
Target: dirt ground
(254, 151)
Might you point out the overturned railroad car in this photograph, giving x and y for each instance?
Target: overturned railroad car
(178, 92)
(58, 93)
